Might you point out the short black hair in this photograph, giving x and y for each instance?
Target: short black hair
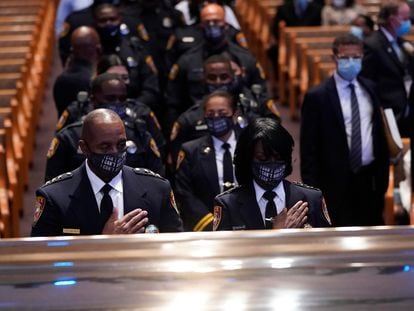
(388, 8)
(345, 39)
(99, 7)
(219, 93)
(108, 61)
(101, 79)
(274, 138)
(217, 58)
(368, 20)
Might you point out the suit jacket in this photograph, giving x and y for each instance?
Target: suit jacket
(237, 209)
(67, 204)
(381, 65)
(196, 182)
(324, 149)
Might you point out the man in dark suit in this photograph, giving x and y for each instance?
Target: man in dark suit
(201, 164)
(104, 196)
(264, 199)
(389, 62)
(343, 148)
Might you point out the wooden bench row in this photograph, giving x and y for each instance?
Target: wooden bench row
(26, 49)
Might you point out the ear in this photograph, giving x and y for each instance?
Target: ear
(83, 147)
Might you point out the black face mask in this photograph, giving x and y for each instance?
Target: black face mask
(268, 175)
(233, 87)
(107, 166)
(120, 109)
(219, 126)
(214, 34)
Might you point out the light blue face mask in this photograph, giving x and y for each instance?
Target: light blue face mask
(349, 68)
(404, 28)
(357, 32)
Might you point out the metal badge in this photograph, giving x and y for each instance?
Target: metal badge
(206, 150)
(131, 62)
(131, 147)
(124, 29)
(167, 22)
(188, 39)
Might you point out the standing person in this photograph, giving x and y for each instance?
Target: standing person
(389, 62)
(343, 147)
(104, 196)
(86, 49)
(204, 165)
(264, 199)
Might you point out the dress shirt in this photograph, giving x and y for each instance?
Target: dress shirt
(219, 152)
(116, 192)
(365, 113)
(280, 198)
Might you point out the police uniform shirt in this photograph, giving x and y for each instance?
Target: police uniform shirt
(219, 151)
(365, 113)
(116, 192)
(280, 198)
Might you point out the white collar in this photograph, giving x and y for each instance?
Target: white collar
(279, 190)
(342, 83)
(387, 35)
(218, 142)
(97, 183)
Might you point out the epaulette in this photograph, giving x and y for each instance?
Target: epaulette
(75, 124)
(229, 191)
(305, 186)
(147, 172)
(58, 178)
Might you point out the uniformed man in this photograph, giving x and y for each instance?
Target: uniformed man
(204, 165)
(86, 49)
(109, 92)
(135, 111)
(221, 74)
(186, 75)
(104, 196)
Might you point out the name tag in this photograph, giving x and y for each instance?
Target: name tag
(188, 39)
(71, 231)
(239, 227)
(201, 127)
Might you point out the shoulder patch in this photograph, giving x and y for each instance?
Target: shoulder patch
(170, 43)
(39, 207)
(174, 131)
(173, 203)
(271, 105)
(52, 148)
(62, 120)
(305, 186)
(261, 71)
(154, 118)
(325, 211)
(147, 172)
(241, 40)
(59, 178)
(154, 147)
(150, 62)
(173, 72)
(180, 159)
(217, 213)
(142, 32)
(65, 30)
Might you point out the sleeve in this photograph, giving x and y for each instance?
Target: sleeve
(59, 157)
(170, 217)
(196, 215)
(221, 216)
(309, 141)
(46, 216)
(175, 89)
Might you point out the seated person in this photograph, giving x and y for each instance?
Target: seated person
(341, 12)
(109, 92)
(104, 196)
(362, 26)
(264, 199)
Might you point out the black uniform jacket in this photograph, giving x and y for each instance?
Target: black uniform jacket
(237, 209)
(67, 204)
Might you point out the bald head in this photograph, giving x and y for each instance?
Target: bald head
(97, 120)
(212, 13)
(85, 44)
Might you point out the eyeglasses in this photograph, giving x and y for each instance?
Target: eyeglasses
(353, 57)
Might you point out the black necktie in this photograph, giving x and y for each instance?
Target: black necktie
(228, 179)
(106, 205)
(271, 210)
(355, 152)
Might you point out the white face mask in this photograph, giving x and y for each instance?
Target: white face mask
(338, 3)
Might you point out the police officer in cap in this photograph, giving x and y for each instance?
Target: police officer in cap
(109, 92)
(220, 73)
(186, 75)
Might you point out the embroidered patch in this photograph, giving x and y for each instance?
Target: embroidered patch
(39, 207)
(325, 211)
(142, 32)
(180, 159)
(173, 72)
(52, 148)
(261, 71)
(217, 217)
(154, 118)
(271, 105)
(171, 42)
(173, 203)
(174, 131)
(62, 120)
(154, 148)
(150, 62)
(241, 40)
(65, 30)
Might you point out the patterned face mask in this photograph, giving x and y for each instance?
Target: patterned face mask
(107, 165)
(268, 174)
(219, 126)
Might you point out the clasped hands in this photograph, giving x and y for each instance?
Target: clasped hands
(295, 217)
(131, 223)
